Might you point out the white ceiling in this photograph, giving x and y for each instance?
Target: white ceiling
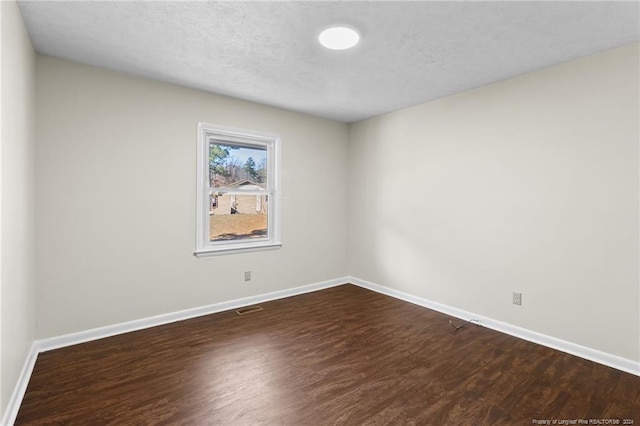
(410, 52)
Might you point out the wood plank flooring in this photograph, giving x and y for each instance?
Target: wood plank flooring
(344, 355)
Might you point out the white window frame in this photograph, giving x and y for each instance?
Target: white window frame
(248, 138)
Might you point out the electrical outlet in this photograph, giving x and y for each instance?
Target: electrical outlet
(247, 276)
(517, 298)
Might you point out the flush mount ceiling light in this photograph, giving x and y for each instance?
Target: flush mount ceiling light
(339, 38)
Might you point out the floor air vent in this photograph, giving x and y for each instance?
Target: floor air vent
(248, 310)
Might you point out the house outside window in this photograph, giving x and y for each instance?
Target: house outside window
(238, 191)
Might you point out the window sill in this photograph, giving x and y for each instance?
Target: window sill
(233, 250)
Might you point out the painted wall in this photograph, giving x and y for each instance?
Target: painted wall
(17, 223)
(116, 182)
(527, 185)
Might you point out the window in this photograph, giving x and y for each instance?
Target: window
(238, 198)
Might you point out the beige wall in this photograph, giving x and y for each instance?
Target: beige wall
(17, 265)
(115, 182)
(527, 185)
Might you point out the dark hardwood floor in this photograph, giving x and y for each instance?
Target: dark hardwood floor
(344, 355)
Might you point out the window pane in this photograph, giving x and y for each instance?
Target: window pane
(231, 165)
(237, 217)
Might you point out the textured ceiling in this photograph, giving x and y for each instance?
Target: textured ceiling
(410, 52)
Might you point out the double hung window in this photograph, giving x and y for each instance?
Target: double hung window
(238, 191)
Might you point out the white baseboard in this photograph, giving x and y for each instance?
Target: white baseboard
(126, 327)
(11, 411)
(614, 361)
(44, 345)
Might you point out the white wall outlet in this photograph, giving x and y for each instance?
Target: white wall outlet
(247, 276)
(517, 298)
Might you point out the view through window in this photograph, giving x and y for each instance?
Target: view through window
(239, 198)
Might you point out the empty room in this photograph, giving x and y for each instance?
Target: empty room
(319, 213)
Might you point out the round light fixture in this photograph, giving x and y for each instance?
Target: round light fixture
(339, 38)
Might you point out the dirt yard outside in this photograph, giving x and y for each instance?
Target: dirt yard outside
(237, 226)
